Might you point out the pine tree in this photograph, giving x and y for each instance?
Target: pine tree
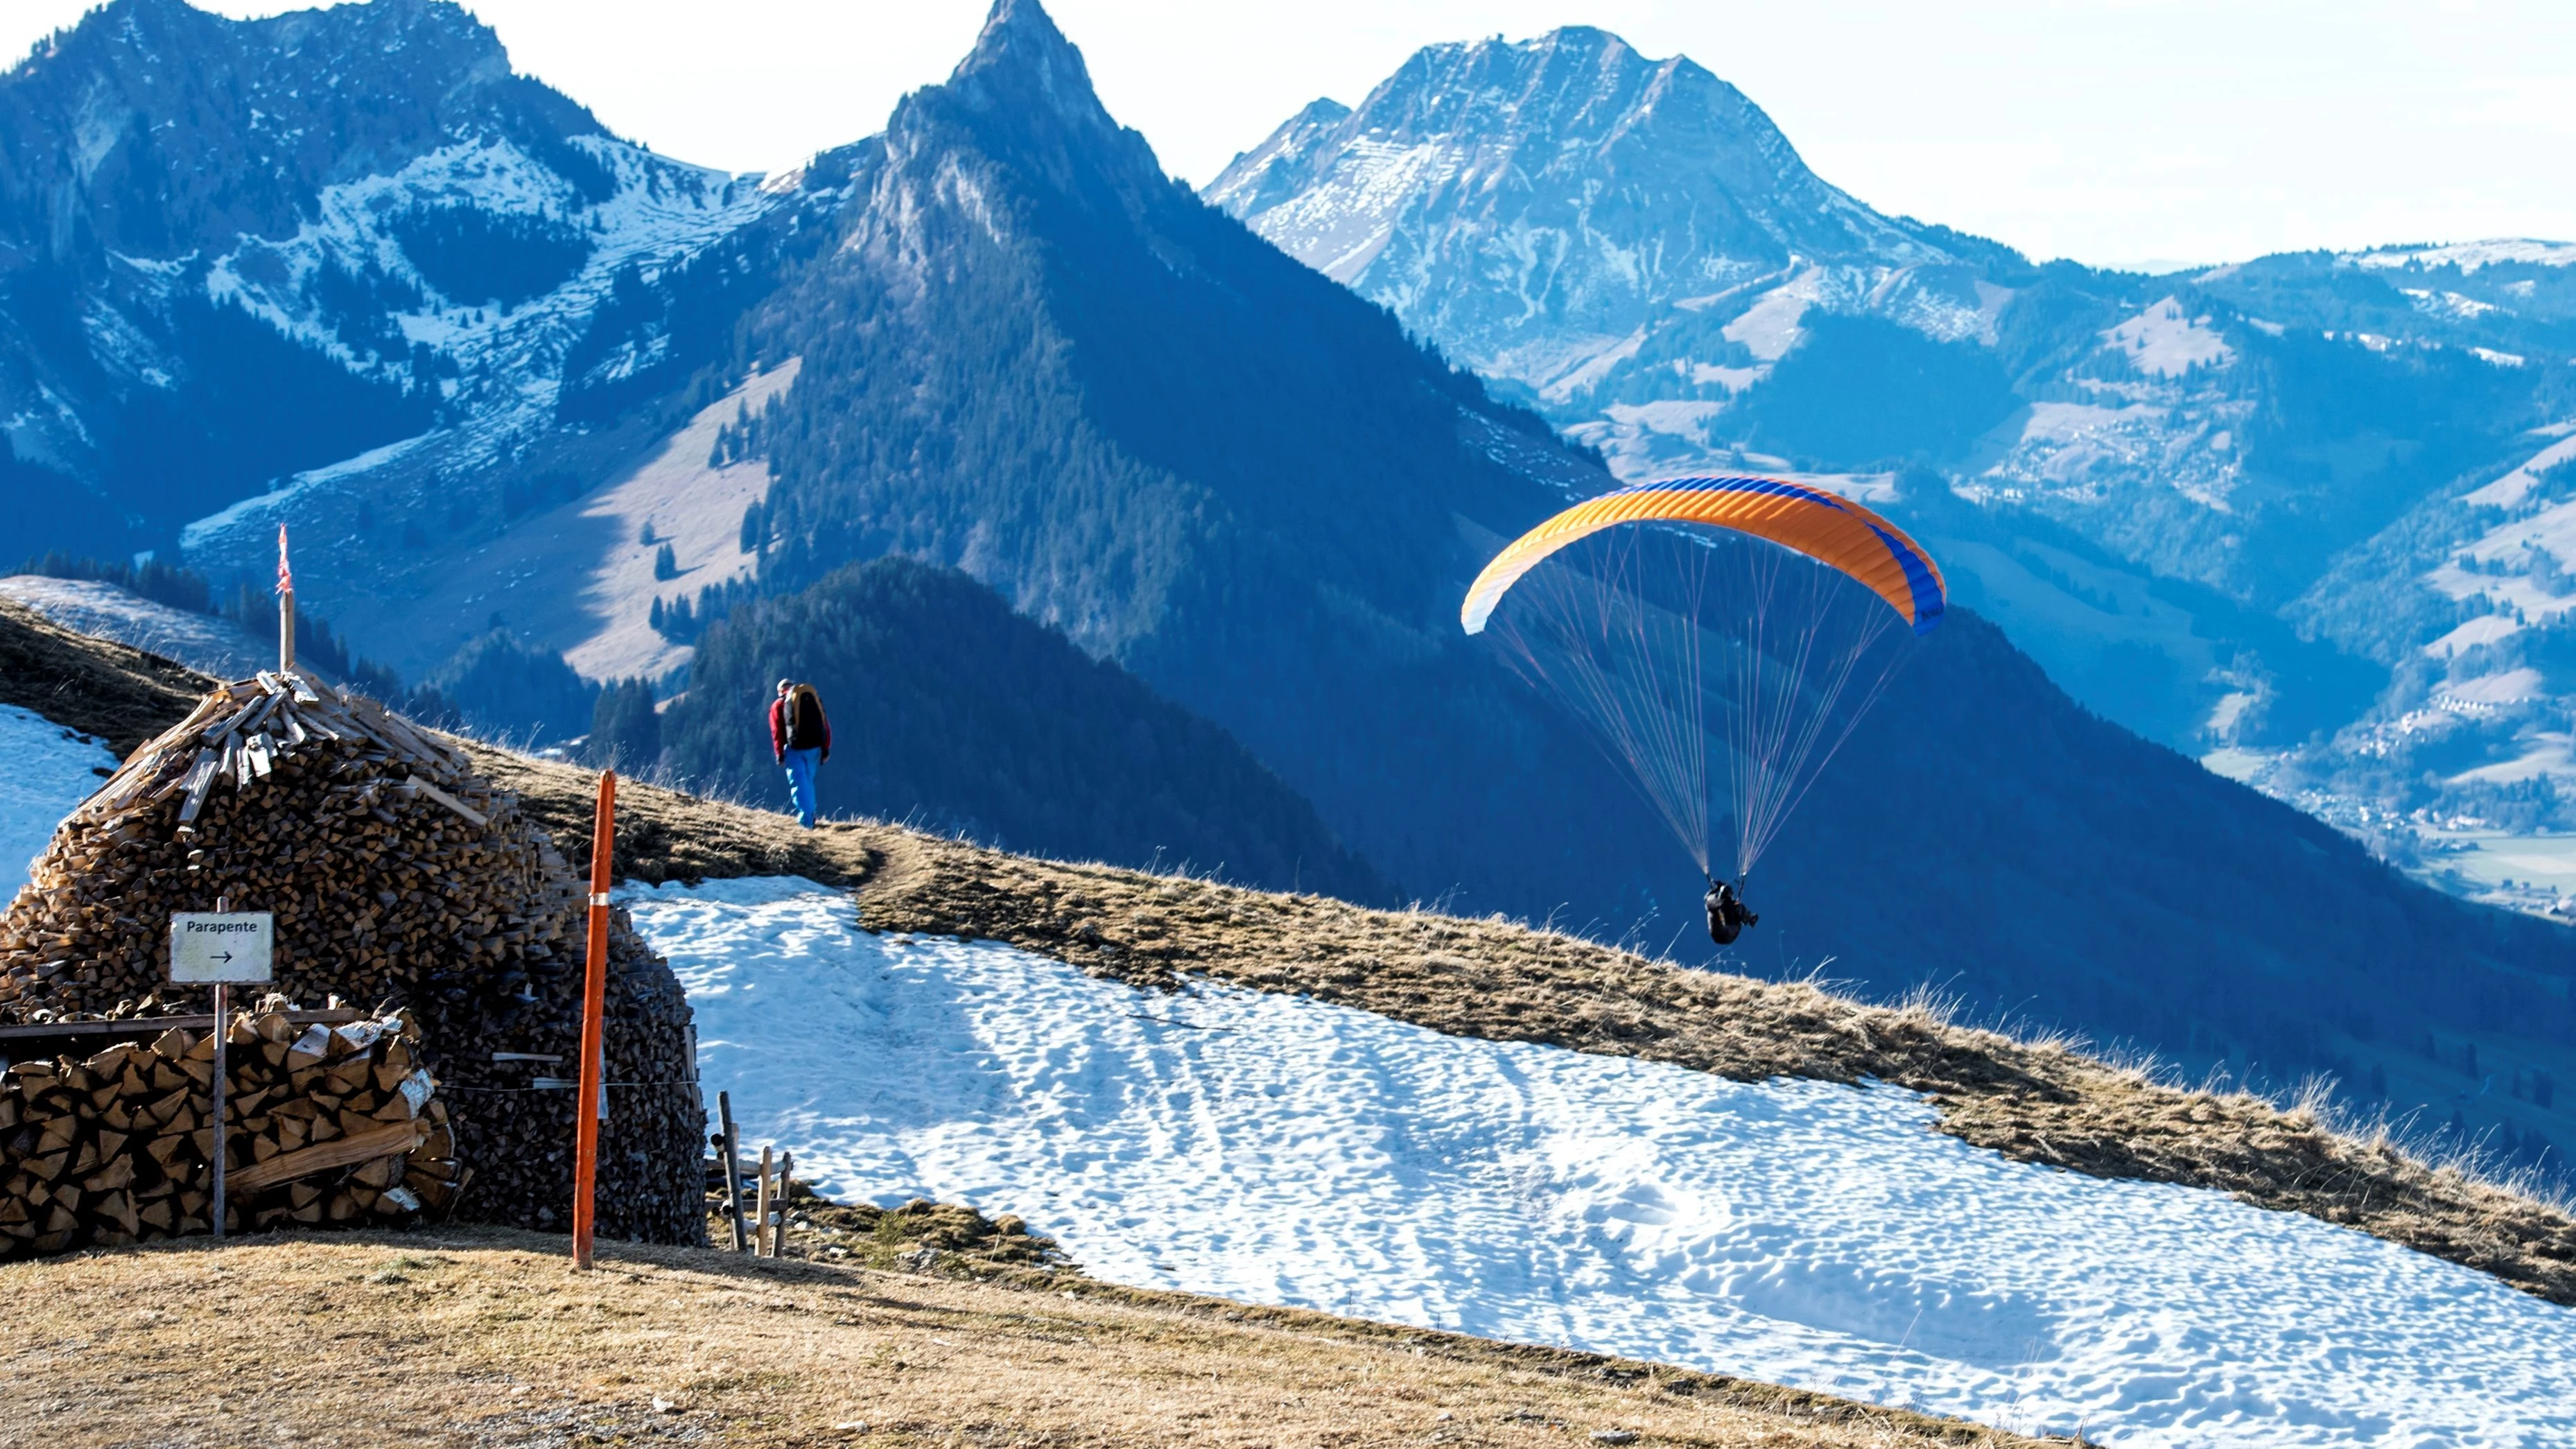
(666, 564)
(625, 733)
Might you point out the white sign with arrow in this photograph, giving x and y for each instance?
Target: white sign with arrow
(207, 947)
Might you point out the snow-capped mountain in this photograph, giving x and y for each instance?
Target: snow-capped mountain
(1568, 215)
(245, 265)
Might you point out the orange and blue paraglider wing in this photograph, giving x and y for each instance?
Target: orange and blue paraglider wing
(1826, 527)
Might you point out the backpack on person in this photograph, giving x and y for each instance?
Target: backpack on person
(805, 728)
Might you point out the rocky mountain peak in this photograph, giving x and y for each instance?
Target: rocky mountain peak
(1023, 67)
(132, 129)
(1546, 208)
(1023, 98)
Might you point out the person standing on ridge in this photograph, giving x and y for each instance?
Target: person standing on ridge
(801, 738)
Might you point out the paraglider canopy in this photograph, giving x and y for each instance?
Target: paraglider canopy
(1826, 527)
(1713, 631)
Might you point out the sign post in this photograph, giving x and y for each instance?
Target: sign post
(221, 948)
(594, 995)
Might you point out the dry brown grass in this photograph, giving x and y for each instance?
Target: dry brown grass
(490, 1337)
(119, 693)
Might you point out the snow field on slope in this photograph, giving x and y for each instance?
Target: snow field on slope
(45, 770)
(1276, 1150)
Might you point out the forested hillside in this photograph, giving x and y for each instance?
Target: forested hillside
(953, 713)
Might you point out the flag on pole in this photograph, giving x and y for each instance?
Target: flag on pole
(285, 576)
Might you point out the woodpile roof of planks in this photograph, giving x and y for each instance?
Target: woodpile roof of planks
(396, 876)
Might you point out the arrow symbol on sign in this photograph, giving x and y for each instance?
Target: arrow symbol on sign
(224, 957)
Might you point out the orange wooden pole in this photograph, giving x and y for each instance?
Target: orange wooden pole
(594, 997)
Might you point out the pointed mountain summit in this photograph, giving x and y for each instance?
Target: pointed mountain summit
(1034, 356)
(1535, 204)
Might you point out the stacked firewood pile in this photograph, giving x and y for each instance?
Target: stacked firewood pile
(396, 875)
(323, 1125)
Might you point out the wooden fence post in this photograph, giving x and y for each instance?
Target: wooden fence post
(760, 1222)
(732, 1169)
(223, 1029)
(778, 1231)
(593, 999)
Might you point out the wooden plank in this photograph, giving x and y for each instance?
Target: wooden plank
(732, 1169)
(200, 780)
(760, 1216)
(143, 1026)
(778, 1230)
(418, 786)
(357, 1147)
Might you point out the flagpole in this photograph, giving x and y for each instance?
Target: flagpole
(285, 608)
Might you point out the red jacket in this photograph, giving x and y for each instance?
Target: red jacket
(778, 741)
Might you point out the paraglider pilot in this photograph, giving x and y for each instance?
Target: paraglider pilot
(1727, 916)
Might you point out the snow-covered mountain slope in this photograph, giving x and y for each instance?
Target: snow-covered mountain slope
(208, 643)
(507, 354)
(45, 771)
(339, 268)
(1563, 211)
(1273, 1149)
(579, 575)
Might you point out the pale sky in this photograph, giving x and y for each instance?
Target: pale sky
(2111, 131)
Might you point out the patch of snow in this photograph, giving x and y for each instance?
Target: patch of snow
(578, 577)
(2498, 359)
(1594, 369)
(2162, 342)
(2510, 687)
(1769, 328)
(1277, 1150)
(261, 513)
(1341, 224)
(2470, 256)
(1733, 379)
(1654, 439)
(2509, 490)
(2547, 758)
(203, 642)
(2484, 629)
(695, 508)
(2448, 304)
(45, 772)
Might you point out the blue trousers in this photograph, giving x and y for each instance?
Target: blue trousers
(800, 783)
